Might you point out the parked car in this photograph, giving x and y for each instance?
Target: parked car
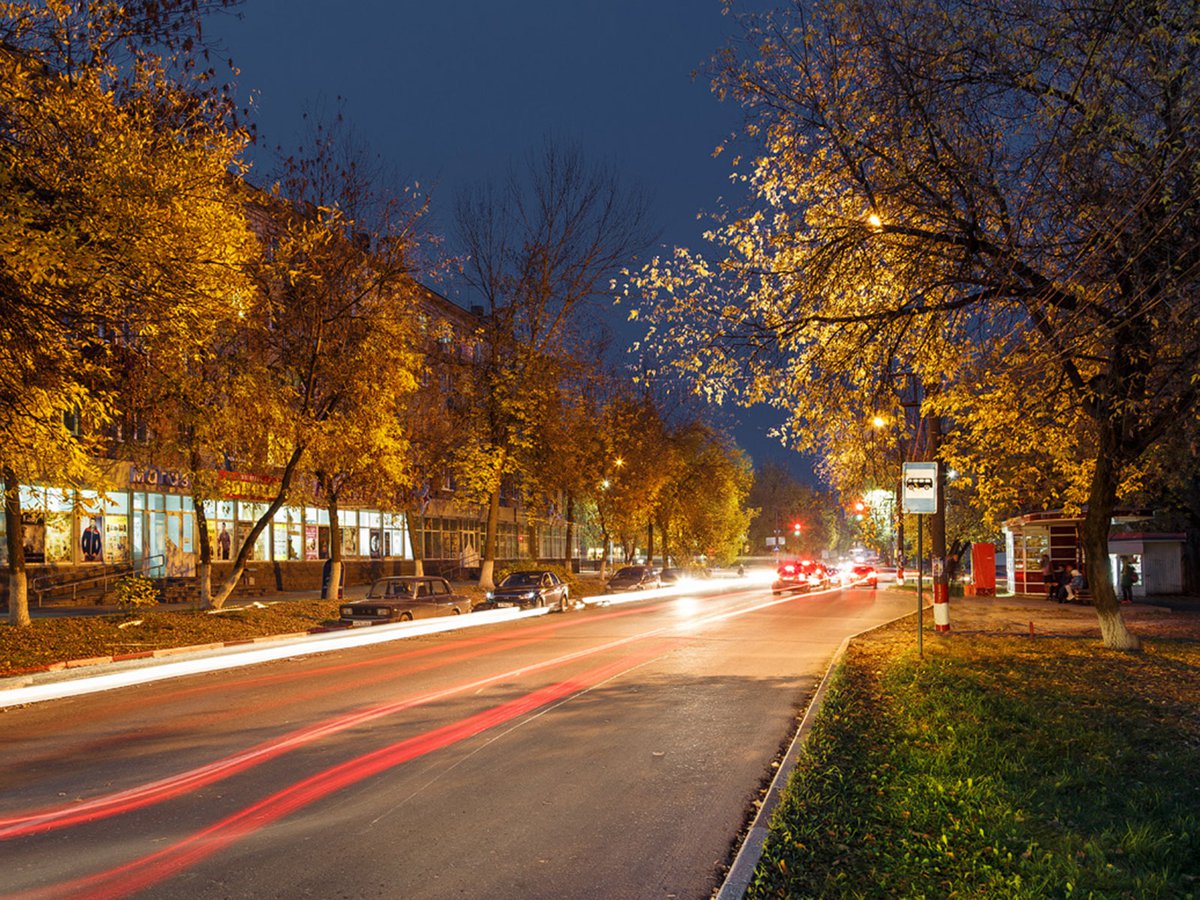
(864, 575)
(529, 590)
(633, 578)
(403, 598)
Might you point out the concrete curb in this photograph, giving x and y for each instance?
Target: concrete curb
(741, 873)
(158, 653)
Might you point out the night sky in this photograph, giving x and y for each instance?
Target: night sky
(452, 93)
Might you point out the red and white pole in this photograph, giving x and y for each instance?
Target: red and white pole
(941, 606)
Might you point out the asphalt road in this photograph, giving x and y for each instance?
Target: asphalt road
(613, 752)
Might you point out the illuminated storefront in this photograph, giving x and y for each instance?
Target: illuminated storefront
(147, 519)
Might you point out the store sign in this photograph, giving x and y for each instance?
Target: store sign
(920, 484)
(247, 486)
(155, 479)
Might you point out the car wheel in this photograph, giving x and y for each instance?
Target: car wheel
(406, 617)
(456, 611)
(565, 603)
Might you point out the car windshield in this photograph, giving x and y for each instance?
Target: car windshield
(389, 589)
(522, 579)
(630, 572)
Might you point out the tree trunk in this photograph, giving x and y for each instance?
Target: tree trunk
(488, 565)
(937, 526)
(1101, 501)
(329, 591)
(18, 583)
(204, 567)
(650, 544)
(569, 550)
(412, 521)
(604, 555)
(221, 595)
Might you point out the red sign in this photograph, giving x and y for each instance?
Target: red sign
(247, 486)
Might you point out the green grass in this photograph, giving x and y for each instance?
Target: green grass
(996, 767)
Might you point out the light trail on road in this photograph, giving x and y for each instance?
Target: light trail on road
(149, 870)
(28, 823)
(690, 617)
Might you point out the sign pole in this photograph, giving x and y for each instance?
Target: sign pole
(920, 588)
(920, 484)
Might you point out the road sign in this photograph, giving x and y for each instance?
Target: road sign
(920, 483)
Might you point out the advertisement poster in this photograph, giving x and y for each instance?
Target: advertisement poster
(34, 526)
(116, 538)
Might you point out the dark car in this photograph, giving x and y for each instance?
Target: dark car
(633, 578)
(404, 598)
(864, 576)
(529, 590)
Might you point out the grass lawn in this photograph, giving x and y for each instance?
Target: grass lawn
(997, 766)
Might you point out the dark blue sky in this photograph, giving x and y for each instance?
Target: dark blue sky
(451, 92)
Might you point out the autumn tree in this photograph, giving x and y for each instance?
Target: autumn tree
(325, 354)
(118, 232)
(367, 319)
(999, 197)
(783, 500)
(539, 250)
(701, 508)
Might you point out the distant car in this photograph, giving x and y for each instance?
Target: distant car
(529, 590)
(800, 575)
(404, 598)
(633, 578)
(864, 575)
(790, 576)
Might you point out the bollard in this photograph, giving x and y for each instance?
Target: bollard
(1031, 629)
(941, 606)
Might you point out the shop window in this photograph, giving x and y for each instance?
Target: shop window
(103, 527)
(350, 542)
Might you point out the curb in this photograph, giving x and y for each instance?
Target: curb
(159, 653)
(741, 873)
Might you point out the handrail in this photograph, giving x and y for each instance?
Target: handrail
(46, 584)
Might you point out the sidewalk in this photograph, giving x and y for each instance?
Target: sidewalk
(352, 592)
(1026, 614)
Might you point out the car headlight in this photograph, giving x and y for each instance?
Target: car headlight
(490, 596)
(529, 595)
(347, 611)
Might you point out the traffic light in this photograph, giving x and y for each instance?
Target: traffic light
(796, 529)
(859, 509)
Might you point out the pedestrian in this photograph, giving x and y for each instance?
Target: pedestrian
(1075, 585)
(1128, 577)
(1062, 578)
(1047, 575)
